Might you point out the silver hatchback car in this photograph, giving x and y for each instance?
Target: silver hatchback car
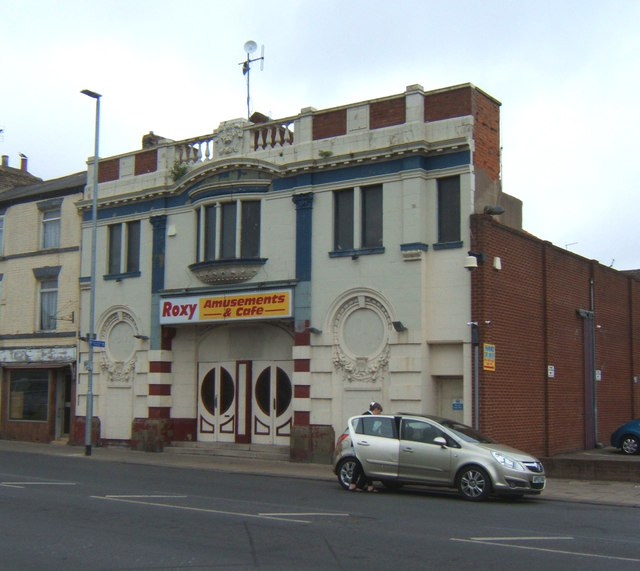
(428, 450)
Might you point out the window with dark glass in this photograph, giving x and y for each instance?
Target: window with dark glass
(357, 218)
(449, 209)
(343, 220)
(124, 248)
(373, 425)
(250, 236)
(29, 395)
(371, 216)
(229, 230)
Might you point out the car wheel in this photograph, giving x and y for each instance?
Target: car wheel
(345, 471)
(474, 483)
(630, 444)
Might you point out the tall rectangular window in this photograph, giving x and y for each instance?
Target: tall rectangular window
(29, 394)
(372, 216)
(449, 209)
(1, 234)
(48, 304)
(124, 248)
(133, 246)
(343, 220)
(229, 230)
(51, 228)
(115, 248)
(209, 232)
(357, 218)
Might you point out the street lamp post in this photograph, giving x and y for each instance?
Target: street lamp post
(92, 302)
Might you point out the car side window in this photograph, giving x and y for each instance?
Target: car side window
(418, 431)
(375, 426)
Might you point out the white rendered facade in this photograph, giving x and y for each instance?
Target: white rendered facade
(383, 320)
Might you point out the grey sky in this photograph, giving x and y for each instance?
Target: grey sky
(566, 73)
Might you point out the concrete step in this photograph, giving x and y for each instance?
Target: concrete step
(229, 449)
(599, 464)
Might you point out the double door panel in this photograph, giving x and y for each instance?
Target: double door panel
(245, 401)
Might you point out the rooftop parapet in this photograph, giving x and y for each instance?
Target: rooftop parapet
(408, 122)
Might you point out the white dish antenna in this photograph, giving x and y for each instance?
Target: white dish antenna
(250, 47)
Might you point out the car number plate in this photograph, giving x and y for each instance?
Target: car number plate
(538, 479)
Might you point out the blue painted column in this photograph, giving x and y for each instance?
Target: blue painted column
(304, 211)
(158, 253)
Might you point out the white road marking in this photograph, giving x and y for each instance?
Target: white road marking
(204, 510)
(494, 542)
(517, 538)
(144, 496)
(23, 484)
(287, 514)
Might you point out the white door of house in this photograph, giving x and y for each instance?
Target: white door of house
(272, 404)
(217, 415)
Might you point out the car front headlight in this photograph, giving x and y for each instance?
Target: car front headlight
(507, 461)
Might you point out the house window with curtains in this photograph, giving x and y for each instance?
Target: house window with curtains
(50, 223)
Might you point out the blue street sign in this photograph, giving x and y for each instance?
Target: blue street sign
(96, 343)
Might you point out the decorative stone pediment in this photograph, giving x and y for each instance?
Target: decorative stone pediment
(227, 271)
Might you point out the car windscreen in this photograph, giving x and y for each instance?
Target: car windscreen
(466, 432)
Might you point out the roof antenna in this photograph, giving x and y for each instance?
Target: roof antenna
(250, 47)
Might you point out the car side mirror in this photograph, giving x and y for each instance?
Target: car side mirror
(440, 440)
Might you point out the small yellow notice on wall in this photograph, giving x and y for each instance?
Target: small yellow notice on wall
(489, 357)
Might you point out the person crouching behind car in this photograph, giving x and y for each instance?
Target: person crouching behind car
(359, 480)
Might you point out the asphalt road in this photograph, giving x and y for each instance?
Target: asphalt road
(72, 513)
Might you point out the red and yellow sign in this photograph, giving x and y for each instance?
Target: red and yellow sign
(489, 357)
(241, 306)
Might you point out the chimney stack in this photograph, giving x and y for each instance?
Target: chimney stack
(23, 162)
(5, 160)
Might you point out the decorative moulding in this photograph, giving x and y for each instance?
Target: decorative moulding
(226, 271)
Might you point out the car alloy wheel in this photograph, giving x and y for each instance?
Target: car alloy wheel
(474, 484)
(630, 445)
(345, 471)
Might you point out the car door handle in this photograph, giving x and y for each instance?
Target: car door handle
(407, 449)
(363, 443)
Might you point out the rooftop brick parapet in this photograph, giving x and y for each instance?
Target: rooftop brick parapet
(440, 120)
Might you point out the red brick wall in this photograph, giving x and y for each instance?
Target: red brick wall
(532, 304)
(387, 113)
(486, 126)
(108, 170)
(448, 104)
(329, 124)
(486, 134)
(146, 162)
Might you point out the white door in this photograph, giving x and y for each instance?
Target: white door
(217, 417)
(272, 402)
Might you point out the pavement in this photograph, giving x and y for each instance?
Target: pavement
(588, 491)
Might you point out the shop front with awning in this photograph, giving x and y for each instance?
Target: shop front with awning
(37, 393)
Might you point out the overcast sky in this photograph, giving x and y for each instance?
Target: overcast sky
(565, 71)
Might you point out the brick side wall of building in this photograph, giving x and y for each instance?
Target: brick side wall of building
(108, 170)
(387, 113)
(146, 162)
(486, 134)
(448, 104)
(532, 305)
(329, 124)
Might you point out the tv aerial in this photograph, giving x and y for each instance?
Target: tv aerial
(250, 47)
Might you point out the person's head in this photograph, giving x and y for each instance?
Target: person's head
(375, 408)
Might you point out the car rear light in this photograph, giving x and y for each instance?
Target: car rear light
(341, 438)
